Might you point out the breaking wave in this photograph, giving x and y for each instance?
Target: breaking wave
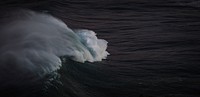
(32, 43)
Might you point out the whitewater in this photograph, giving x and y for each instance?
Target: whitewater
(32, 44)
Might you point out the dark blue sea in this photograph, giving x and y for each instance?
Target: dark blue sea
(154, 48)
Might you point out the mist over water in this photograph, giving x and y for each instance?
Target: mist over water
(32, 44)
(154, 47)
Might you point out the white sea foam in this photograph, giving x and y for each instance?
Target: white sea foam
(97, 47)
(31, 44)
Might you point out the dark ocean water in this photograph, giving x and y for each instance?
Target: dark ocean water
(154, 47)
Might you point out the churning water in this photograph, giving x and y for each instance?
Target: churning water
(154, 48)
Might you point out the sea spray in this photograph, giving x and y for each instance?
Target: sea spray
(32, 43)
(97, 47)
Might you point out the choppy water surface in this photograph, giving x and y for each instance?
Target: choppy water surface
(154, 47)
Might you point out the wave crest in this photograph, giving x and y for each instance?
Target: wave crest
(32, 44)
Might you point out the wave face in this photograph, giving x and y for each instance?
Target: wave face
(32, 44)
